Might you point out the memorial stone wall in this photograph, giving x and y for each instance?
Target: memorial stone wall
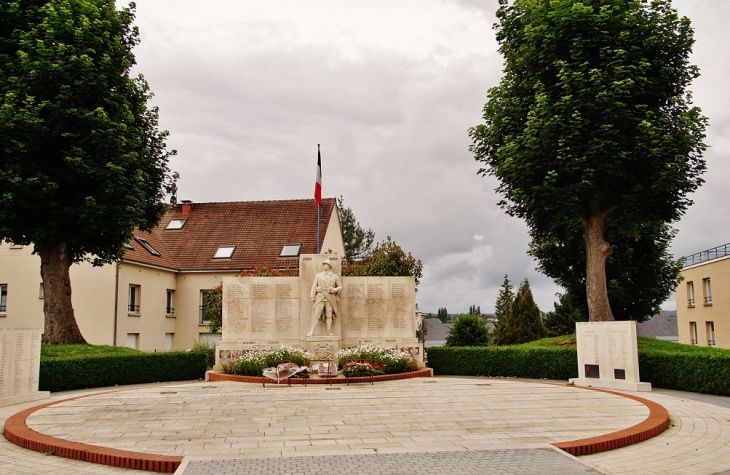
(608, 356)
(276, 311)
(20, 351)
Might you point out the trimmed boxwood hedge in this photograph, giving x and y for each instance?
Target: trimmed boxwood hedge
(63, 374)
(701, 372)
(537, 363)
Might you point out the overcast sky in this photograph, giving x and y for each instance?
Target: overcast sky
(248, 89)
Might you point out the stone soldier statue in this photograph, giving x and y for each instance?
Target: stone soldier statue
(325, 294)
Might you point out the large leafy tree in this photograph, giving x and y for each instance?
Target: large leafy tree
(640, 272)
(387, 259)
(82, 161)
(592, 127)
(562, 320)
(358, 242)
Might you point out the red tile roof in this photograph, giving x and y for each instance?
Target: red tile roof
(258, 229)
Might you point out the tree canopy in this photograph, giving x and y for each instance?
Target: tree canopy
(468, 330)
(358, 242)
(387, 259)
(640, 272)
(82, 159)
(592, 127)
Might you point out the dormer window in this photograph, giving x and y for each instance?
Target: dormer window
(147, 246)
(290, 250)
(176, 223)
(224, 252)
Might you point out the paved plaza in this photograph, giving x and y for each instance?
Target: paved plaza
(425, 425)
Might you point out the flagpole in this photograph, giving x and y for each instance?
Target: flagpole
(319, 206)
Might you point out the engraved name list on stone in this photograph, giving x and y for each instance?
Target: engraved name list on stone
(376, 307)
(398, 296)
(4, 361)
(33, 363)
(236, 320)
(284, 311)
(355, 308)
(259, 315)
(19, 361)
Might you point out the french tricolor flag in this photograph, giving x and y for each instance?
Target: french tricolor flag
(318, 183)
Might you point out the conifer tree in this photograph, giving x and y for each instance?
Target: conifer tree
(503, 309)
(524, 322)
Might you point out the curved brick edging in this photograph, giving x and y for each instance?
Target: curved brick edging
(216, 376)
(653, 425)
(17, 431)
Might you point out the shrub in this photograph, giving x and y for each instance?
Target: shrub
(696, 372)
(207, 348)
(391, 359)
(61, 373)
(253, 362)
(663, 364)
(549, 363)
(468, 330)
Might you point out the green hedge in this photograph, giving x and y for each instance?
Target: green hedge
(700, 372)
(537, 363)
(63, 374)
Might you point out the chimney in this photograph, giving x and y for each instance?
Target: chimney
(186, 207)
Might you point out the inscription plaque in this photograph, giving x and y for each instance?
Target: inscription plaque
(376, 307)
(592, 371)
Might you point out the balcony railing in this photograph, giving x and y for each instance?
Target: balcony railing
(708, 255)
(711, 342)
(708, 300)
(169, 310)
(690, 302)
(133, 308)
(3, 308)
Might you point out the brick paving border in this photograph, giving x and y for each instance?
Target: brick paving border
(17, 431)
(653, 425)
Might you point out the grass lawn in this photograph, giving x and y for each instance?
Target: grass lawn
(643, 342)
(83, 351)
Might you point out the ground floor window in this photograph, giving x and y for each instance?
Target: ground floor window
(133, 341)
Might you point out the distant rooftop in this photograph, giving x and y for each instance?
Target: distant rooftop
(708, 255)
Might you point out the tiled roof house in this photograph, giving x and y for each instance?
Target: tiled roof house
(152, 298)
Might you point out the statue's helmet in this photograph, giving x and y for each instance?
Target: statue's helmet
(327, 263)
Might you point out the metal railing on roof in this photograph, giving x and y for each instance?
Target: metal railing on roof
(708, 255)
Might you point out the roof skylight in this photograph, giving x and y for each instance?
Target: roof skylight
(128, 245)
(176, 223)
(147, 246)
(290, 250)
(224, 252)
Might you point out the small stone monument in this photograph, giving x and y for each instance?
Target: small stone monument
(20, 356)
(608, 356)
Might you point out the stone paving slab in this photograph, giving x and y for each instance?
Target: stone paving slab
(536, 461)
(454, 414)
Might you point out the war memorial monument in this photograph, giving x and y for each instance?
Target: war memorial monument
(319, 311)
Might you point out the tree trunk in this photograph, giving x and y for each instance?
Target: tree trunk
(60, 326)
(597, 251)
